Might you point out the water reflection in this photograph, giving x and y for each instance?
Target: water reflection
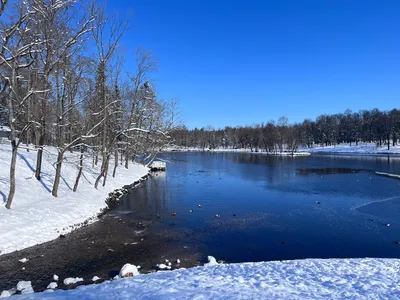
(307, 201)
(328, 171)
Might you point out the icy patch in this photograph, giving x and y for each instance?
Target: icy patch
(127, 270)
(55, 277)
(95, 278)
(71, 280)
(52, 285)
(23, 260)
(211, 261)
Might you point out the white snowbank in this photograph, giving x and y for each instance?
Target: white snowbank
(361, 148)
(36, 216)
(364, 278)
(5, 294)
(239, 150)
(211, 261)
(25, 287)
(128, 268)
(52, 285)
(71, 280)
(345, 148)
(95, 278)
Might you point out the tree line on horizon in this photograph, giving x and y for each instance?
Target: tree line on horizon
(62, 83)
(376, 126)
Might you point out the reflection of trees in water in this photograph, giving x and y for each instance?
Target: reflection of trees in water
(148, 198)
(328, 171)
(275, 169)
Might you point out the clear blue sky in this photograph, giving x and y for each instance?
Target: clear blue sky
(245, 62)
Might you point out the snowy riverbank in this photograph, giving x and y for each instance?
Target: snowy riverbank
(361, 148)
(36, 216)
(366, 278)
(345, 148)
(239, 150)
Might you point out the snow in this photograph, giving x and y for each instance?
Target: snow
(23, 260)
(361, 148)
(25, 287)
(36, 216)
(55, 277)
(395, 176)
(52, 285)
(5, 128)
(238, 150)
(163, 266)
(95, 278)
(5, 294)
(159, 165)
(362, 278)
(211, 261)
(344, 148)
(71, 280)
(128, 268)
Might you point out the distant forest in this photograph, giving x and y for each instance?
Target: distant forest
(380, 127)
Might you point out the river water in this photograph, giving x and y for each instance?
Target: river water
(234, 206)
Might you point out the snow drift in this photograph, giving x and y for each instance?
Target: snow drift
(299, 279)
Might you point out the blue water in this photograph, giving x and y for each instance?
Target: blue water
(268, 205)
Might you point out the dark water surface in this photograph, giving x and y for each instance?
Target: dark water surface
(268, 205)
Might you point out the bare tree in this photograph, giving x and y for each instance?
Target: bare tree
(3, 4)
(106, 35)
(144, 65)
(15, 56)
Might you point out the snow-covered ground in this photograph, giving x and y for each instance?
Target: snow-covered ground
(36, 216)
(239, 150)
(366, 278)
(361, 148)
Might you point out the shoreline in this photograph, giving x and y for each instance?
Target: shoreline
(305, 152)
(100, 249)
(37, 217)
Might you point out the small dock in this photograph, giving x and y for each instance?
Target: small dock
(158, 166)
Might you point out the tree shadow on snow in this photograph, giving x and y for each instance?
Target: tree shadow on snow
(27, 162)
(34, 170)
(66, 183)
(4, 197)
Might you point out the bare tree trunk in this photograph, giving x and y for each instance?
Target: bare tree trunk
(103, 172)
(127, 158)
(12, 174)
(58, 173)
(115, 162)
(80, 171)
(39, 156)
(14, 146)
